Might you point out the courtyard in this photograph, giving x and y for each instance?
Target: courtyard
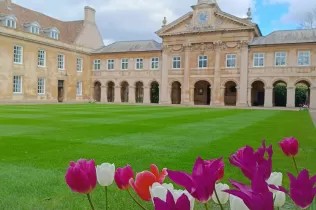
(37, 142)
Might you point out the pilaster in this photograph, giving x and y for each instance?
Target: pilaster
(268, 97)
(131, 95)
(146, 95)
(104, 92)
(117, 94)
(164, 95)
(290, 100)
(312, 98)
(186, 80)
(217, 74)
(243, 46)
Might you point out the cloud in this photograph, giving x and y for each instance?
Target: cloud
(129, 19)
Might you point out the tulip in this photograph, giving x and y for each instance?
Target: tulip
(236, 203)
(182, 203)
(220, 173)
(160, 177)
(222, 196)
(289, 146)
(249, 161)
(105, 174)
(279, 199)
(275, 179)
(81, 177)
(201, 183)
(122, 177)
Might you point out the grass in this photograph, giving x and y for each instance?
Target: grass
(38, 141)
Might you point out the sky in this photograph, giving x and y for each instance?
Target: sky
(120, 20)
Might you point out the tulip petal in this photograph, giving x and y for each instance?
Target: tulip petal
(241, 195)
(279, 199)
(159, 204)
(313, 180)
(182, 179)
(183, 203)
(279, 188)
(77, 180)
(170, 200)
(144, 181)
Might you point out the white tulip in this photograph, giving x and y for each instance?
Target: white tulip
(105, 174)
(222, 196)
(275, 179)
(279, 199)
(237, 203)
(178, 193)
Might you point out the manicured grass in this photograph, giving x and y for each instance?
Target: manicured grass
(38, 141)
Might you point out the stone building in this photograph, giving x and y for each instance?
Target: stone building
(207, 57)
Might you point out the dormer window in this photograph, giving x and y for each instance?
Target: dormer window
(8, 21)
(11, 23)
(33, 28)
(52, 33)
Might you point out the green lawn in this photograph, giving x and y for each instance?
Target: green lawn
(38, 141)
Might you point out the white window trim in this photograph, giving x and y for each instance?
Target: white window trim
(44, 58)
(139, 63)
(107, 64)
(151, 63)
(309, 57)
(275, 59)
(64, 61)
(94, 64)
(21, 84)
(177, 61)
(124, 62)
(203, 60)
(22, 51)
(253, 65)
(81, 64)
(232, 67)
(44, 88)
(80, 94)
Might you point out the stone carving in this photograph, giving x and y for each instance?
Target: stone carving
(219, 45)
(172, 48)
(202, 47)
(243, 44)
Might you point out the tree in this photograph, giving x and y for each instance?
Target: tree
(309, 22)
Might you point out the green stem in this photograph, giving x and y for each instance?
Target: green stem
(295, 165)
(90, 201)
(205, 204)
(106, 198)
(140, 205)
(218, 200)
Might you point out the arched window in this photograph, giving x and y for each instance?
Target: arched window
(52, 33)
(33, 28)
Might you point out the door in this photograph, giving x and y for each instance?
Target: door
(60, 90)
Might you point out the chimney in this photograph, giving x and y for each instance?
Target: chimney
(89, 14)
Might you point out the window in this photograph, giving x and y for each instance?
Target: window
(54, 35)
(202, 61)
(96, 65)
(258, 59)
(79, 64)
(155, 63)
(11, 23)
(280, 58)
(231, 61)
(61, 62)
(79, 88)
(176, 62)
(41, 86)
(139, 63)
(303, 58)
(41, 58)
(18, 55)
(110, 64)
(17, 84)
(34, 29)
(124, 63)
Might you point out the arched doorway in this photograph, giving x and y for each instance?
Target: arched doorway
(97, 91)
(124, 92)
(257, 93)
(230, 94)
(154, 92)
(302, 93)
(202, 93)
(279, 93)
(139, 92)
(110, 92)
(176, 93)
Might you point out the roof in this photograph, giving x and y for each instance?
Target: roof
(69, 30)
(286, 37)
(131, 46)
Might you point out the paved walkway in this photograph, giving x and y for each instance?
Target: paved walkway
(313, 115)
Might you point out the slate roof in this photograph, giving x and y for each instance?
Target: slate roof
(286, 37)
(69, 30)
(131, 46)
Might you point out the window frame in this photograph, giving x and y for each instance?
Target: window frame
(20, 83)
(279, 56)
(21, 54)
(152, 61)
(203, 60)
(12, 23)
(80, 88)
(124, 61)
(38, 58)
(173, 62)
(96, 63)
(232, 59)
(79, 64)
(54, 35)
(309, 57)
(140, 62)
(43, 86)
(37, 30)
(112, 63)
(254, 58)
(59, 62)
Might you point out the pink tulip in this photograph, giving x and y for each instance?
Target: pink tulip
(220, 173)
(81, 176)
(122, 177)
(289, 146)
(182, 203)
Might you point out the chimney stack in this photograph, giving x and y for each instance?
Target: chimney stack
(89, 14)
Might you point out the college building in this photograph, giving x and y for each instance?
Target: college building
(206, 57)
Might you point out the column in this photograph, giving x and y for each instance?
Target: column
(117, 94)
(222, 96)
(217, 74)
(290, 100)
(192, 89)
(268, 97)
(164, 96)
(146, 95)
(211, 94)
(249, 96)
(243, 75)
(169, 94)
(92, 93)
(186, 80)
(312, 103)
(131, 95)
(104, 93)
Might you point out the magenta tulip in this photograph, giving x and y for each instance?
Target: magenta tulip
(122, 177)
(289, 146)
(81, 176)
(250, 161)
(201, 183)
(182, 203)
(256, 197)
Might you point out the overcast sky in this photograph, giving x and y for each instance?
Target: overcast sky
(139, 19)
